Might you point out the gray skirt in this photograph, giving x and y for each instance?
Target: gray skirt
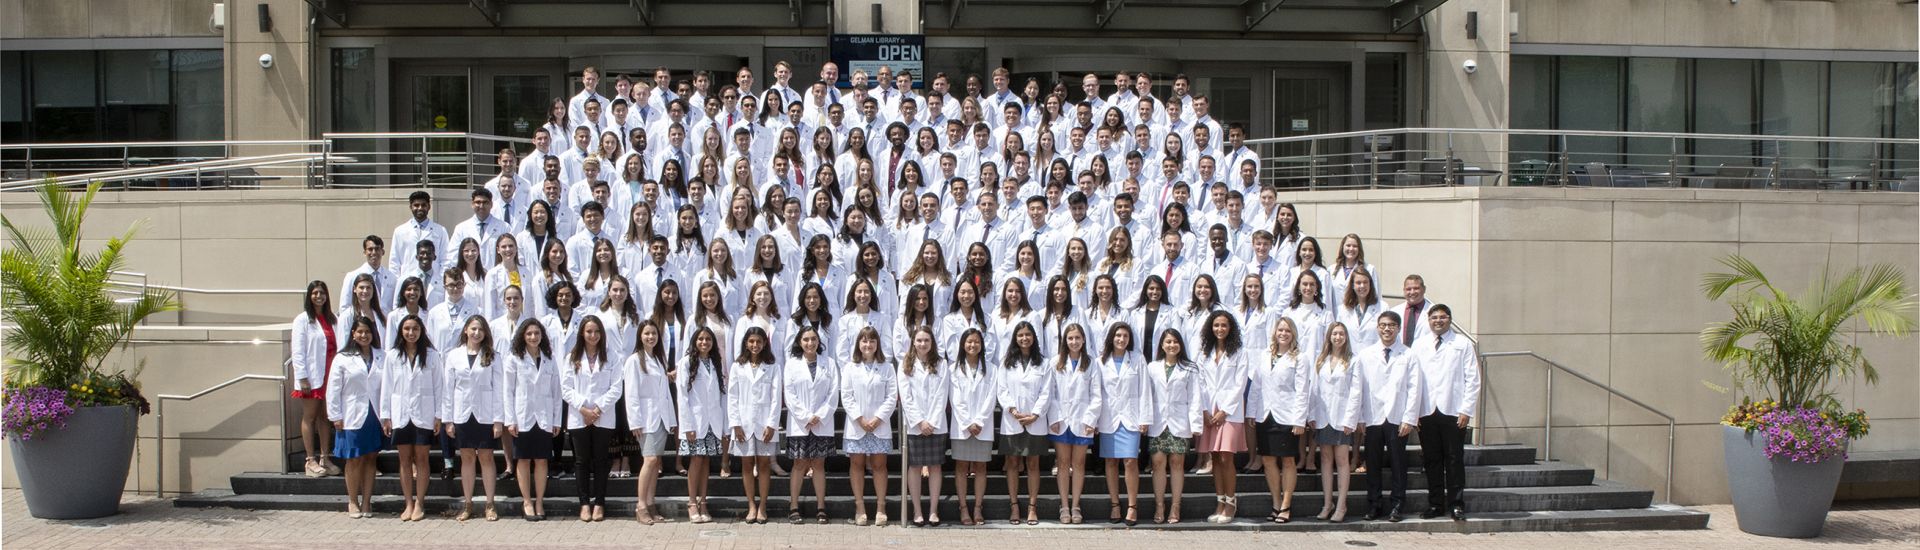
(1024, 444)
(926, 450)
(654, 443)
(1331, 436)
(972, 450)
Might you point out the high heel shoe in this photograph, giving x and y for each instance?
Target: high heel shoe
(1132, 516)
(599, 512)
(644, 516)
(492, 515)
(1233, 509)
(1339, 514)
(1326, 511)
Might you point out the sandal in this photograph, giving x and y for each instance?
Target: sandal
(1033, 514)
(794, 517)
(466, 512)
(644, 516)
(1159, 514)
(880, 519)
(859, 520)
(1233, 509)
(821, 516)
(1013, 514)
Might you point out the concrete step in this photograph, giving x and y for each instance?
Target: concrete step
(1602, 506)
(1476, 455)
(1524, 475)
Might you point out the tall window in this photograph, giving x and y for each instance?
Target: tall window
(113, 95)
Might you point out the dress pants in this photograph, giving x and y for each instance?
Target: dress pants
(1443, 450)
(1386, 447)
(590, 446)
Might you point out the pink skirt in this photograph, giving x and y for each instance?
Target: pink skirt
(1228, 437)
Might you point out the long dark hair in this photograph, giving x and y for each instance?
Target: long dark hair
(662, 311)
(909, 316)
(712, 357)
(486, 338)
(1156, 282)
(323, 313)
(373, 298)
(372, 344)
(1060, 364)
(1107, 349)
(1020, 357)
(1293, 301)
(520, 340)
(801, 316)
(1210, 343)
(417, 353)
(764, 357)
(419, 300)
(978, 313)
(580, 342)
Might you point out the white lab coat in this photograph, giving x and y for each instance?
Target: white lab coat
(533, 388)
(702, 408)
(1223, 382)
(352, 387)
(1176, 399)
(811, 393)
(1449, 374)
(1027, 388)
(1281, 387)
(471, 390)
(309, 351)
(593, 384)
(1389, 385)
(924, 397)
(971, 395)
(1076, 399)
(753, 399)
(409, 394)
(648, 393)
(1126, 393)
(868, 390)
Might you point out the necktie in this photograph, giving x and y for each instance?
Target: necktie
(1169, 278)
(673, 346)
(483, 228)
(893, 171)
(801, 176)
(1406, 333)
(1386, 354)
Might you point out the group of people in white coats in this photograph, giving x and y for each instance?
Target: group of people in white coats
(944, 302)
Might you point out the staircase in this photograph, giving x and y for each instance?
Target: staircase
(1507, 490)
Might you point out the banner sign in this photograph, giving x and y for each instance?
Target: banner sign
(870, 52)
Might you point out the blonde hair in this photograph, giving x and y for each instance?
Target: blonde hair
(1327, 350)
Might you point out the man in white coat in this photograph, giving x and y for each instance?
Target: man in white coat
(1450, 388)
(1388, 414)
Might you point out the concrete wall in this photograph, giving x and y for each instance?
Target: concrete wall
(1786, 24)
(273, 103)
(896, 17)
(105, 18)
(1456, 98)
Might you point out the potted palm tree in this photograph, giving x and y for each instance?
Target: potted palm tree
(70, 417)
(1785, 449)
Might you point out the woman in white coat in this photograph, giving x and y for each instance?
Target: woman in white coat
(1334, 414)
(1176, 417)
(1350, 259)
(1074, 416)
(314, 346)
(753, 414)
(971, 394)
(410, 410)
(701, 381)
(1360, 310)
(591, 387)
(923, 404)
(533, 416)
(1223, 393)
(1126, 412)
(354, 386)
(868, 391)
(648, 394)
(812, 391)
(1026, 390)
(1277, 407)
(473, 408)
(966, 312)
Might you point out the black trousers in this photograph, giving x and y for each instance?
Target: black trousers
(1386, 447)
(1443, 450)
(590, 446)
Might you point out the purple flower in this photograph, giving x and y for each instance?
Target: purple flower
(29, 411)
(1803, 435)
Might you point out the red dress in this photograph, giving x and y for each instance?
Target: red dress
(321, 392)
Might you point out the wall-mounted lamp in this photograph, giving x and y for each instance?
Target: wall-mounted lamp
(1473, 25)
(266, 20)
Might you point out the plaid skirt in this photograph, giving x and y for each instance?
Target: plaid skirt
(972, 450)
(926, 450)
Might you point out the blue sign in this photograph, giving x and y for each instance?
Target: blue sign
(870, 52)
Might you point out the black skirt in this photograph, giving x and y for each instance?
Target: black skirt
(413, 435)
(1276, 439)
(533, 444)
(472, 434)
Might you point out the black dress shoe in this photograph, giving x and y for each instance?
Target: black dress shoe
(1459, 513)
(1393, 515)
(1373, 514)
(1433, 512)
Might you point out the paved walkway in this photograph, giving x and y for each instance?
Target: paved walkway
(149, 523)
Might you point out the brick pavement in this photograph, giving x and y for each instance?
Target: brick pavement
(149, 523)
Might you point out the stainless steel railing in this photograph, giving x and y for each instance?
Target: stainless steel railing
(1412, 157)
(1547, 397)
(391, 159)
(160, 423)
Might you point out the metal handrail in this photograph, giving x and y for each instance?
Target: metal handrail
(195, 168)
(1672, 423)
(1593, 133)
(160, 424)
(144, 284)
(119, 144)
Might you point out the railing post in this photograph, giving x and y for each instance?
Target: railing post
(1373, 162)
(426, 171)
(1446, 170)
(1673, 162)
(1313, 164)
(160, 447)
(1773, 175)
(467, 156)
(1565, 160)
(1548, 440)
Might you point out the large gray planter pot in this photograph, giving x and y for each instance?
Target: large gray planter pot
(1776, 497)
(77, 472)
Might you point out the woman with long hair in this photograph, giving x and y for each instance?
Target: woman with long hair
(972, 393)
(1223, 386)
(862, 312)
(507, 271)
(1333, 415)
(1360, 309)
(869, 391)
(1277, 403)
(534, 411)
(411, 410)
(314, 347)
(1125, 412)
(591, 387)
(1026, 391)
(923, 402)
(753, 412)
(472, 408)
(650, 414)
(354, 388)
(1074, 415)
(1176, 387)
(811, 387)
(701, 381)
(965, 312)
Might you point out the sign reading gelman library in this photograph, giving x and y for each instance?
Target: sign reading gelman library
(870, 52)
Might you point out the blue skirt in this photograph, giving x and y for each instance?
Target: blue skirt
(1123, 443)
(357, 442)
(1069, 439)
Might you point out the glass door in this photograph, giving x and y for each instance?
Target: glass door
(428, 99)
(520, 104)
(1309, 101)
